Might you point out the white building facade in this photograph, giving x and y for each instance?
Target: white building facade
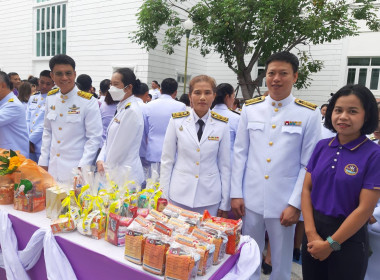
(96, 33)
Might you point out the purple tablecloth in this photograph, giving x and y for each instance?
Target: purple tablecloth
(88, 264)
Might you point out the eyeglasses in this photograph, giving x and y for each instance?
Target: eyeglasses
(67, 74)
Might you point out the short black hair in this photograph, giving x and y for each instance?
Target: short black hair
(45, 73)
(369, 104)
(61, 59)
(286, 57)
(105, 85)
(222, 90)
(142, 90)
(169, 86)
(324, 105)
(185, 99)
(5, 78)
(33, 81)
(154, 81)
(84, 82)
(10, 74)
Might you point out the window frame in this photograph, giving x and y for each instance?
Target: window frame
(369, 68)
(44, 5)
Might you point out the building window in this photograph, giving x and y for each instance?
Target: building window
(260, 70)
(181, 78)
(364, 71)
(50, 28)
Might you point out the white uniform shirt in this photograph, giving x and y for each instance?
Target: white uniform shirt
(72, 133)
(196, 173)
(35, 114)
(233, 120)
(157, 114)
(274, 142)
(155, 93)
(124, 138)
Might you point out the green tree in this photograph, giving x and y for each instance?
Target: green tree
(244, 31)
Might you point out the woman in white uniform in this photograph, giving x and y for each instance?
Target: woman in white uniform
(195, 162)
(125, 130)
(373, 269)
(224, 101)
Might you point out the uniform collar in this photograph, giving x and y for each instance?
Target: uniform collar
(221, 106)
(126, 101)
(196, 118)
(70, 94)
(163, 96)
(139, 100)
(282, 103)
(350, 145)
(7, 97)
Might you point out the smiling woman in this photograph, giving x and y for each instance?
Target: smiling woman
(195, 162)
(341, 189)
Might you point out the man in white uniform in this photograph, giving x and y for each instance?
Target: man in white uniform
(275, 139)
(35, 114)
(72, 127)
(155, 91)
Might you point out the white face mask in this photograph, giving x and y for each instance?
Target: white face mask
(117, 94)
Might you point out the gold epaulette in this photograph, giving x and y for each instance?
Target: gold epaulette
(84, 94)
(53, 91)
(128, 105)
(306, 104)
(180, 114)
(233, 111)
(11, 100)
(254, 100)
(219, 117)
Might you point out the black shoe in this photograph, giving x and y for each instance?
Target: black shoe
(267, 268)
(296, 254)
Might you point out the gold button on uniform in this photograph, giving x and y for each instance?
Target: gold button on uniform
(273, 126)
(268, 160)
(63, 101)
(270, 143)
(39, 106)
(61, 115)
(197, 163)
(34, 122)
(196, 176)
(60, 128)
(31, 130)
(266, 177)
(276, 109)
(58, 155)
(273, 103)
(198, 150)
(36, 115)
(58, 141)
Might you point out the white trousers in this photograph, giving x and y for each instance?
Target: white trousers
(281, 240)
(373, 269)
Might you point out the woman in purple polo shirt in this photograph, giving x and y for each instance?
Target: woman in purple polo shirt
(341, 189)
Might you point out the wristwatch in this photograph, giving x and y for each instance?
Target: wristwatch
(333, 244)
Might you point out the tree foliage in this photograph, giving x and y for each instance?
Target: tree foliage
(244, 31)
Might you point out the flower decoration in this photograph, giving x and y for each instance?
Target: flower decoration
(9, 162)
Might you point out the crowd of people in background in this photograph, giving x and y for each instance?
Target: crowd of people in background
(263, 162)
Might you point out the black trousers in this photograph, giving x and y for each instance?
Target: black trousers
(350, 263)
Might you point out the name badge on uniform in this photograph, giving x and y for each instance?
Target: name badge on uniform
(35, 100)
(213, 138)
(74, 110)
(292, 123)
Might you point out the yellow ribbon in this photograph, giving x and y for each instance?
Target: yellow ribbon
(98, 202)
(83, 189)
(67, 202)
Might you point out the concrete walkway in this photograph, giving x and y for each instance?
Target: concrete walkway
(296, 273)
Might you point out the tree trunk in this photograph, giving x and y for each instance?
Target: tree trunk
(246, 84)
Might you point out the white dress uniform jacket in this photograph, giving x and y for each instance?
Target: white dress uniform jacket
(157, 114)
(13, 128)
(233, 120)
(72, 132)
(197, 173)
(35, 114)
(124, 138)
(373, 270)
(274, 142)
